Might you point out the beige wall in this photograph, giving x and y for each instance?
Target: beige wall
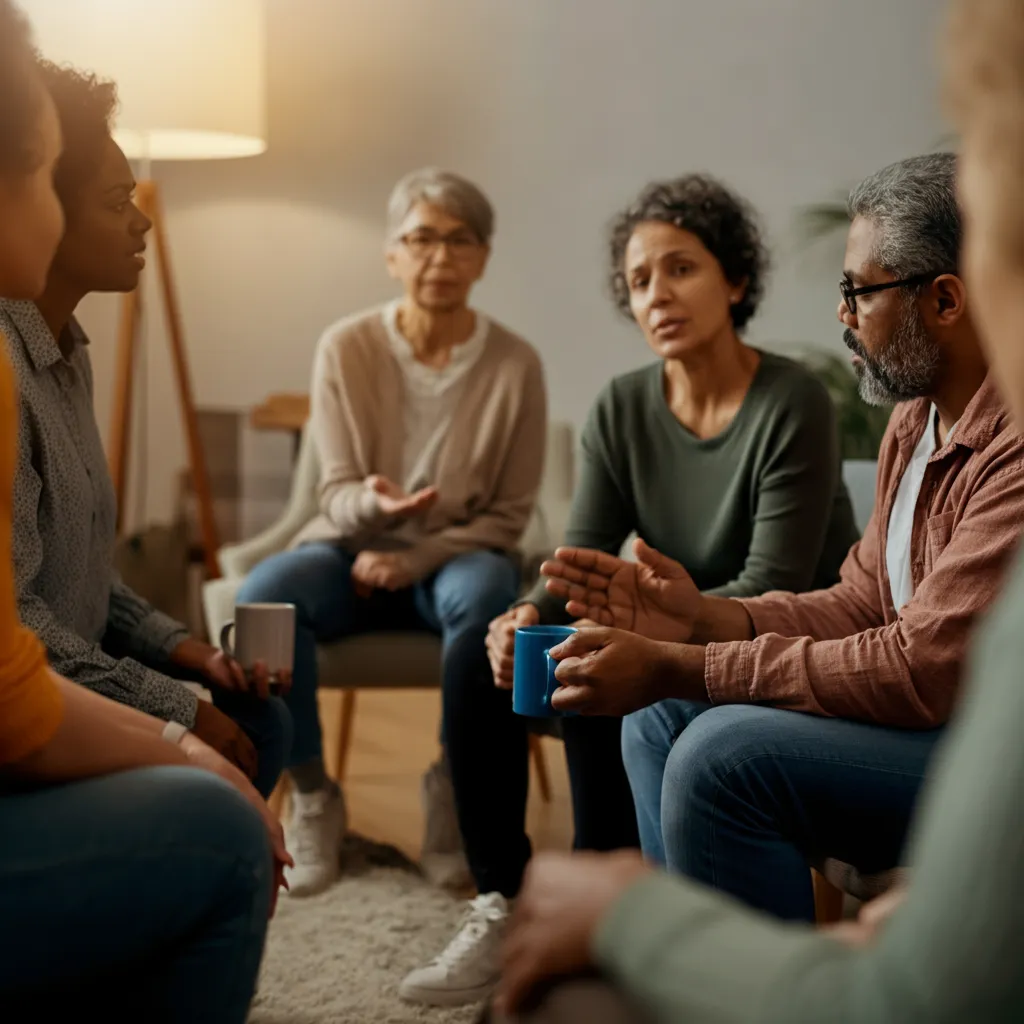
(560, 109)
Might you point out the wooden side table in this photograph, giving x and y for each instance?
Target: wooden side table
(287, 413)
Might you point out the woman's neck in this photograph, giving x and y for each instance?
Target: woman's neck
(432, 334)
(57, 305)
(705, 390)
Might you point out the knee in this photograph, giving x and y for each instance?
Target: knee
(466, 666)
(714, 753)
(269, 582)
(212, 813)
(644, 738)
(479, 587)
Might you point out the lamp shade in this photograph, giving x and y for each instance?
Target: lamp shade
(191, 74)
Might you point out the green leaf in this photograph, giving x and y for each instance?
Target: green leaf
(861, 426)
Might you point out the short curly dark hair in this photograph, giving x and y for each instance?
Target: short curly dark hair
(85, 106)
(21, 95)
(725, 223)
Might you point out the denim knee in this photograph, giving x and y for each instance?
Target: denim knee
(644, 735)
(211, 813)
(716, 752)
(474, 589)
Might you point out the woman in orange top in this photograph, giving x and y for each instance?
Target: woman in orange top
(125, 873)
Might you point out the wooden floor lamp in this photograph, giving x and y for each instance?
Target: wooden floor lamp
(191, 83)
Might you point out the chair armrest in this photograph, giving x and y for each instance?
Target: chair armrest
(219, 605)
(238, 560)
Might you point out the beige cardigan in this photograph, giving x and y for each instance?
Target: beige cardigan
(488, 470)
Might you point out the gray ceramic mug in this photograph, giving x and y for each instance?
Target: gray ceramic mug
(262, 632)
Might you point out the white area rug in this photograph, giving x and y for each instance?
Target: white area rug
(338, 958)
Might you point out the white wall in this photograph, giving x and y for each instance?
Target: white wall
(561, 110)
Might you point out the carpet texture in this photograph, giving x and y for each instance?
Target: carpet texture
(338, 958)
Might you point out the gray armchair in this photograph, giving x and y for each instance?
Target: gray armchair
(376, 660)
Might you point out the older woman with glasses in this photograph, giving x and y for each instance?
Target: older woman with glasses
(430, 421)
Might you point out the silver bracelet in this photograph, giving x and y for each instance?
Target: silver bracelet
(174, 732)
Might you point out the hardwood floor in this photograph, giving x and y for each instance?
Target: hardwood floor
(394, 739)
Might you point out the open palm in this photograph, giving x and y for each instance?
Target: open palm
(653, 596)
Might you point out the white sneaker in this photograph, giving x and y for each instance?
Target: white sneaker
(442, 858)
(313, 836)
(468, 970)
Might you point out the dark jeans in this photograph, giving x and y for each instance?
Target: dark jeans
(461, 597)
(743, 798)
(140, 896)
(268, 723)
(487, 747)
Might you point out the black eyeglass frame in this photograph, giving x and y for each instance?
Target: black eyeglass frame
(849, 293)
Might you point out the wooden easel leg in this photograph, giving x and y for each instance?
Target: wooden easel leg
(148, 201)
(120, 424)
(197, 458)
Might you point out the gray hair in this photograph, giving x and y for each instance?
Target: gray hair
(455, 195)
(913, 204)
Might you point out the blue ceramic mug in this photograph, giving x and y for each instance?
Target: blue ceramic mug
(533, 676)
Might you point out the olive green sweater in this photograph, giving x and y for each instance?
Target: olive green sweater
(759, 507)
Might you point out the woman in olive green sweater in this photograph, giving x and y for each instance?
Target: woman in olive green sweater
(723, 455)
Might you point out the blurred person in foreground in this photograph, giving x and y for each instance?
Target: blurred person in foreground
(130, 881)
(950, 951)
(97, 631)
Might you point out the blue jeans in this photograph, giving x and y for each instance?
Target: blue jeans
(743, 798)
(462, 595)
(138, 896)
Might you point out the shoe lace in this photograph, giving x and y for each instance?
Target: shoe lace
(475, 925)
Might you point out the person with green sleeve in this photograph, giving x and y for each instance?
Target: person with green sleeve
(951, 951)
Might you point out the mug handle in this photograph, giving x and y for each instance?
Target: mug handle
(225, 642)
(552, 684)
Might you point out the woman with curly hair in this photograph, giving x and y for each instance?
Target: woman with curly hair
(98, 632)
(719, 454)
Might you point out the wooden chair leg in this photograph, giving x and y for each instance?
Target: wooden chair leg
(346, 719)
(828, 900)
(541, 764)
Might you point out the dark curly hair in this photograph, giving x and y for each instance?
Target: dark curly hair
(20, 94)
(725, 223)
(85, 106)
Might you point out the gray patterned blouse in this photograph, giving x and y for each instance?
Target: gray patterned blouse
(64, 524)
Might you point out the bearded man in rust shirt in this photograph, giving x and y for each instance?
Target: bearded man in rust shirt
(785, 729)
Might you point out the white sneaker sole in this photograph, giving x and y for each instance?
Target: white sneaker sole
(447, 996)
(302, 891)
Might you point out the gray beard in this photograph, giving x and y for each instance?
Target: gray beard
(906, 367)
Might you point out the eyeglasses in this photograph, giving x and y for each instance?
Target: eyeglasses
(423, 244)
(849, 293)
